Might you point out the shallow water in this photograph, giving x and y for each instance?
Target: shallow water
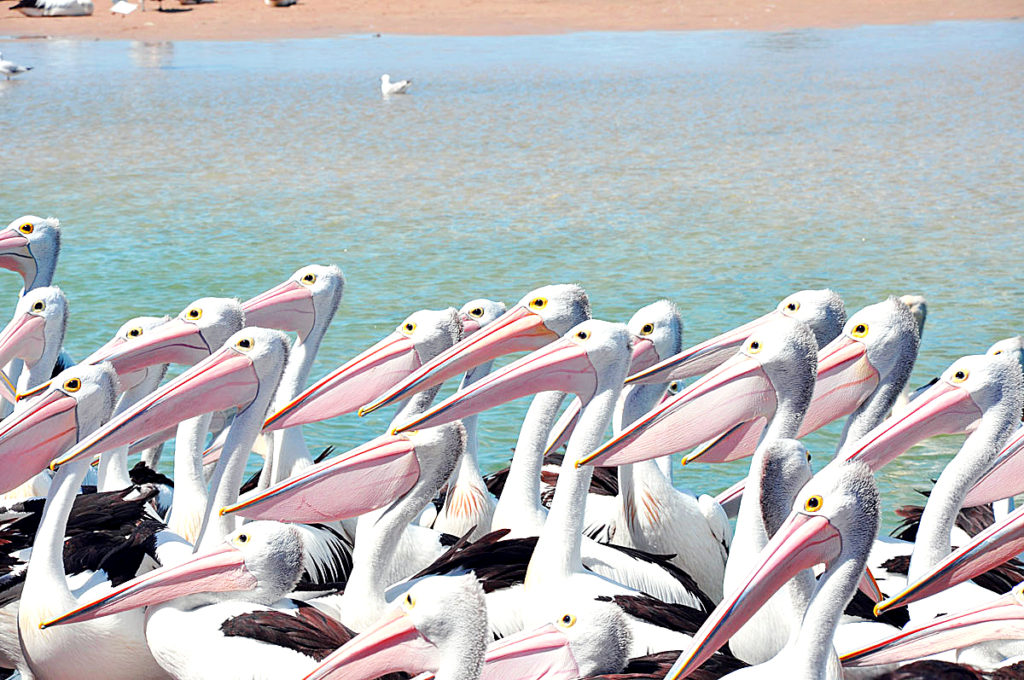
(722, 170)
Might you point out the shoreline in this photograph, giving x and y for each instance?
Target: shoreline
(231, 20)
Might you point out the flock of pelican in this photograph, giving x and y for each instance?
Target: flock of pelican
(398, 557)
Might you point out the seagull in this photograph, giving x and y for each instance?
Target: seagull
(9, 68)
(387, 87)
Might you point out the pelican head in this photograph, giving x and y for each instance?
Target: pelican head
(200, 328)
(542, 316)
(55, 416)
(421, 336)
(772, 376)
(1010, 348)
(30, 246)
(307, 300)
(438, 625)
(478, 313)
(37, 328)
(244, 372)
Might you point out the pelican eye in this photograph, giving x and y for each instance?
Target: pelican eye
(860, 330)
(813, 504)
(410, 601)
(27, 228)
(408, 327)
(244, 343)
(673, 387)
(38, 306)
(647, 329)
(808, 456)
(998, 351)
(309, 279)
(960, 376)
(753, 347)
(538, 303)
(243, 538)
(72, 385)
(582, 335)
(135, 332)
(194, 314)
(476, 312)
(792, 306)
(567, 620)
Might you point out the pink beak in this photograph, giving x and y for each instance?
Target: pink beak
(126, 380)
(990, 548)
(354, 383)
(286, 307)
(941, 409)
(222, 570)
(393, 644)
(562, 366)
(469, 325)
(540, 653)
(225, 379)
(802, 542)
(23, 339)
(363, 479)
(1000, 619)
(1006, 476)
(700, 359)
(735, 392)
(174, 342)
(15, 254)
(517, 330)
(35, 435)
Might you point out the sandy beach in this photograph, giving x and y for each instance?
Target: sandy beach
(253, 20)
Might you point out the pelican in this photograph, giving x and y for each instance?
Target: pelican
(54, 8)
(918, 306)
(833, 521)
(9, 68)
(398, 87)
(304, 304)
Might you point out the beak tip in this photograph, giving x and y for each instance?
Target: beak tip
(879, 608)
(363, 411)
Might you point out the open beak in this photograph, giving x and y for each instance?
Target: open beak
(990, 548)
(1006, 476)
(225, 379)
(352, 384)
(644, 355)
(174, 342)
(561, 366)
(393, 644)
(36, 434)
(942, 409)
(540, 653)
(517, 330)
(363, 479)
(735, 392)
(286, 307)
(845, 379)
(803, 541)
(222, 570)
(700, 359)
(1000, 619)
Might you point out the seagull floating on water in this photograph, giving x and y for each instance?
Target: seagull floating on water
(387, 87)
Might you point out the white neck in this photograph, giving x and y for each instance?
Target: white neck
(112, 472)
(290, 453)
(190, 493)
(46, 569)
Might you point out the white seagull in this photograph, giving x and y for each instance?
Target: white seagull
(9, 68)
(387, 87)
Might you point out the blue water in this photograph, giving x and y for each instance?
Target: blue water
(722, 170)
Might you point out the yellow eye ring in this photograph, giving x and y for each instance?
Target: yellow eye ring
(410, 601)
(567, 621)
(194, 314)
(242, 538)
(72, 385)
(134, 333)
(997, 352)
(245, 344)
(753, 347)
(673, 387)
(538, 303)
(860, 330)
(476, 312)
(647, 329)
(813, 504)
(582, 335)
(408, 327)
(792, 306)
(960, 376)
(27, 228)
(38, 306)
(309, 279)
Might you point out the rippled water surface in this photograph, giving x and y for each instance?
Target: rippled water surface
(721, 170)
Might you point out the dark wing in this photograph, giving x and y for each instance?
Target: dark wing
(118, 554)
(664, 561)
(307, 630)
(328, 558)
(657, 666)
(497, 564)
(862, 607)
(677, 617)
(143, 474)
(934, 670)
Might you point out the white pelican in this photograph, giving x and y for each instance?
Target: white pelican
(9, 68)
(387, 87)
(34, 335)
(833, 521)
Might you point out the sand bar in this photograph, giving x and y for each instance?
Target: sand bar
(253, 20)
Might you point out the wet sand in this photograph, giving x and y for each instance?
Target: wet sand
(253, 20)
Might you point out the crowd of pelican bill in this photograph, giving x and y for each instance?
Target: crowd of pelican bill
(398, 555)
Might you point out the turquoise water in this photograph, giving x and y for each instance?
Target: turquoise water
(722, 170)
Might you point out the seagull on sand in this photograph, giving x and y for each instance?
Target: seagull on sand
(387, 87)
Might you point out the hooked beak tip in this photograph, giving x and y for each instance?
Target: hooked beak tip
(879, 608)
(363, 411)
